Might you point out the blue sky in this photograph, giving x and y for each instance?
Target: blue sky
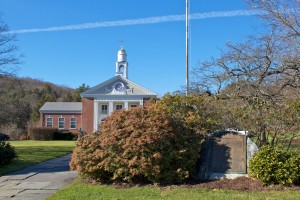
(153, 33)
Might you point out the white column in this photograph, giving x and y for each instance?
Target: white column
(117, 68)
(125, 71)
(96, 115)
(111, 107)
(142, 102)
(126, 105)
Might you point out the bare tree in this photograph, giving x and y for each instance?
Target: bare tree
(283, 14)
(260, 74)
(260, 66)
(8, 62)
(9, 59)
(284, 17)
(264, 65)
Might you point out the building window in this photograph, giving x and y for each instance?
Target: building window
(49, 122)
(121, 69)
(73, 123)
(104, 109)
(61, 122)
(119, 107)
(133, 106)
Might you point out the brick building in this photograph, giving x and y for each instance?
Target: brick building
(62, 115)
(98, 102)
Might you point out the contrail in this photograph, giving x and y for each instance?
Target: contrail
(148, 20)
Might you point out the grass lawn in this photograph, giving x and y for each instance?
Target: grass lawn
(32, 152)
(295, 145)
(293, 148)
(79, 190)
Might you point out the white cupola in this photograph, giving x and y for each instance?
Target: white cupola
(122, 64)
(122, 55)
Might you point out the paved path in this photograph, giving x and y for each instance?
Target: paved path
(37, 181)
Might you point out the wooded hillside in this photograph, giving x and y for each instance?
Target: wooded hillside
(21, 99)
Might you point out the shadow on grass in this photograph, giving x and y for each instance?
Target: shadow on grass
(60, 164)
(33, 155)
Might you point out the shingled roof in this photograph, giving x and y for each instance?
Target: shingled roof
(61, 107)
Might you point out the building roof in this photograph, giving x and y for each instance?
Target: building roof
(107, 88)
(121, 51)
(61, 107)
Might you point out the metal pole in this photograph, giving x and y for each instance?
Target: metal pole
(187, 47)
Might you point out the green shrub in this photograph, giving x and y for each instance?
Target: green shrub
(7, 153)
(137, 145)
(200, 114)
(63, 135)
(42, 133)
(274, 165)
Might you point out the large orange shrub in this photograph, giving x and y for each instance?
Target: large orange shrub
(137, 145)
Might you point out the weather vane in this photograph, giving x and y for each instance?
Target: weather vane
(122, 44)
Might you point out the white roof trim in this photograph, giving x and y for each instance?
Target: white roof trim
(90, 92)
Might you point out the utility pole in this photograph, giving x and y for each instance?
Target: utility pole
(187, 48)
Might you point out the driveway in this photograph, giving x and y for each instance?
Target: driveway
(37, 181)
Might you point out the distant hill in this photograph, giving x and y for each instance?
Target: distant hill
(21, 98)
(29, 84)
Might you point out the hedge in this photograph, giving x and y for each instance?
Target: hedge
(64, 135)
(42, 133)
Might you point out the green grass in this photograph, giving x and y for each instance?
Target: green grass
(79, 190)
(33, 152)
(295, 147)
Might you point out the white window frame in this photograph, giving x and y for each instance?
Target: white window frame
(63, 122)
(73, 122)
(51, 121)
(106, 111)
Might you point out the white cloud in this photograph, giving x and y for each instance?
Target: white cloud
(148, 20)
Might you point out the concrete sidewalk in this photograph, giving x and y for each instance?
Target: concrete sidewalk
(37, 181)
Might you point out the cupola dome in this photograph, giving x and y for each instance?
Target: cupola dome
(122, 51)
(122, 55)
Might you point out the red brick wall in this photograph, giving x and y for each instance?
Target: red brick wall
(88, 115)
(42, 122)
(55, 116)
